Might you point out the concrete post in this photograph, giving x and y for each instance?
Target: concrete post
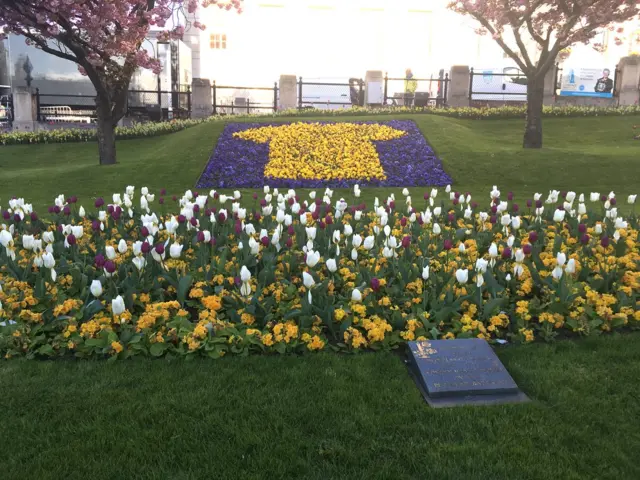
(374, 88)
(201, 98)
(288, 87)
(24, 110)
(628, 81)
(459, 86)
(549, 95)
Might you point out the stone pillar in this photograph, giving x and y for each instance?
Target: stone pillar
(288, 87)
(459, 86)
(24, 108)
(628, 81)
(549, 95)
(201, 98)
(374, 88)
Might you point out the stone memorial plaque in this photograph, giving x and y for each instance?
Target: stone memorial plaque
(461, 372)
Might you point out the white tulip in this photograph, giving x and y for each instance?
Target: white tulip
(384, 220)
(436, 229)
(631, 199)
(561, 259)
(581, 198)
(571, 196)
(137, 248)
(308, 280)
(462, 248)
(582, 209)
(405, 192)
(468, 213)
(348, 231)
(5, 238)
(557, 273)
(96, 288)
(437, 211)
(387, 252)
(594, 197)
(249, 229)
(392, 242)
(331, 265)
(425, 273)
(607, 204)
(354, 254)
(28, 242)
(356, 296)
(447, 188)
(312, 258)
(462, 276)
(139, 262)
(508, 277)
(356, 241)
(46, 236)
(558, 215)
(502, 207)
(598, 228)
(288, 220)
(245, 289)
(117, 305)
(537, 196)
(336, 236)
(122, 246)
(616, 236)
(620, 223)
(369, 242)
(511, 240)
(481, 265)
(48, 260)
(311, 233)
(312, 195)
(175, 250)
(280, 216)
(571, 266)
(111, 252)
(506, 220)
(358, 215)
(495, 193)
(516, 223)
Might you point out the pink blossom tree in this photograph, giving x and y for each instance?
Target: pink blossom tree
(104, 38)
(534, 32)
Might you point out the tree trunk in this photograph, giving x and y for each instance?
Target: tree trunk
(533, 129)
(106, 133)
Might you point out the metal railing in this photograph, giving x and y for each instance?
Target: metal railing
(229, 100)
(330, 95)
(7, 113)
(432, 91)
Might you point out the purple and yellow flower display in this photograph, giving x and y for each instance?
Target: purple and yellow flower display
(315, 154)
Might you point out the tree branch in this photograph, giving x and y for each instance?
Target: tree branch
(485, 23)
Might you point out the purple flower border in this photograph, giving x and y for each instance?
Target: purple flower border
(407, 161)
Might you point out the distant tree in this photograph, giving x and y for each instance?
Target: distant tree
(104, 38)
(552, 26)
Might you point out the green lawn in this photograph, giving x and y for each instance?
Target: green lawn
(582, 154)
(320, 417)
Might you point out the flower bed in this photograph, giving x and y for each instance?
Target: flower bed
(212, 274)
(294, 155)
(69, 135)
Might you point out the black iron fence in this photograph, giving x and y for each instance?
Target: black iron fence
(330, 95)
(509, 84)
(229, 100)
(417, 92)
(142, 105)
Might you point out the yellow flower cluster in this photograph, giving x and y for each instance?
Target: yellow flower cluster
(323, 151)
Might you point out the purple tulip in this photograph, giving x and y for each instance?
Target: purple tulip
(99, 260)
(159, 248)
(563, 194)
(200, 236)
(196, 208)
(426, 196)
(448, 244)
(493, 219)
(584, 239)
(50, 209)
(420, 220)
(322, 225)
(613, 201)
(603, 198)
(144, 231)
(16, 218)
(515, 208)
(403, 221)
(527, 248)
(265, 241)
(451, 217)
(510, 196)
(99, 202)
(161, 200)
(116, 213)
(194, 222)
(238, 228)
(538, 203)
(66, 210)
(34, 217)
(474, 205)
(315, 215)
(533, 237)
(494, 209)
(291, 230)
(110, 209)
(95, 225)
(582, 228)
(289, 242)
(263, 203)
(604, 241)
(222, 217)
(71, 239)
(375, 284)
(328, 219)
(456, 201)
(146, 247)
(174, 198)
(529, 203)
(163, 191)
(506, 253)
(406, 242)
(392, 205)
(109, 266)
(56, 210)
(182, 219)
(237, 281)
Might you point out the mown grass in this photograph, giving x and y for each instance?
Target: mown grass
(320, 417)
(581, 154)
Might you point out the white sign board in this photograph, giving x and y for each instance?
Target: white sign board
(587, 82)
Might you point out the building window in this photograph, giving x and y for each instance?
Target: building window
(218, 41)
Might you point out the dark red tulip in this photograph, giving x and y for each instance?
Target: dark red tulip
(194, 222)
(146, 247)
(222, 217)
(200, 236)
(494, 209)
(406, 242)
(144, 231)
(322, 225)
(448, 244)
(265, 241)
(603, 198)
(291, 230)
(174, 198)
(515, 208)
(71, 239)
(196, 208)
(159, 248)
(289, 242)
(56, 210)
